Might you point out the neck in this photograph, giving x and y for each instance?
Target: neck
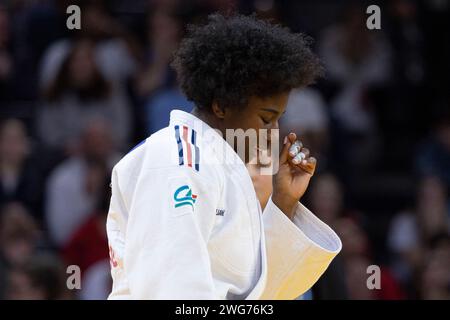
(211, 120)
(208, 118)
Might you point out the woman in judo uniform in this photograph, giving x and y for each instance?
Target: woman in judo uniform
(184, 220)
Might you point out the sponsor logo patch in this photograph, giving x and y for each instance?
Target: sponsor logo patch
(183, 196)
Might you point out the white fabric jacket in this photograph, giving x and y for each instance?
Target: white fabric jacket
(185, 223)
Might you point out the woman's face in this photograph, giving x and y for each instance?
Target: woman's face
(326, 198)
(13, 142)
(261, 116)
(260, 113)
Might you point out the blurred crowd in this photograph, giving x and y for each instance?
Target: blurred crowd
(72, 102)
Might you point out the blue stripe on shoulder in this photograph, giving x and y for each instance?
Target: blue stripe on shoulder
(197, 150)
(180, 145)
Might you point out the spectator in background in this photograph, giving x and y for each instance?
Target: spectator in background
(434, 279)
(34, 25)
(73, 187)
(88, 247)
(327, 198)
(19, 177)
(412, 230)
(327, 202)
(112, 52)
(433, 156)
(306, 114)
(78, 92)
(41, 278)
(19, 235)
(356, 59)
(19, 239)
(357, 257)
(352, 54)
(406, 39)
(164, 31)
(156, 84)
(346, 277)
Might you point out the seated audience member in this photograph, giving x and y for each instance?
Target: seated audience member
(357, 257)
(19, 235)
(73, 186)
(327, 202)
(78, 92)
(434, 276)
(42, 277)
(19, 176)
(88, 247)
(112, 51)
(163, 34)
(433, 156)
(156, 84)
(327, 198)
(412, 229)
(356, 60)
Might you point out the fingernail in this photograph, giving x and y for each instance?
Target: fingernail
(285, 140)
(293, 150)
(299, 158)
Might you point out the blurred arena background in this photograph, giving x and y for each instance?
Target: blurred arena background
(73, 101)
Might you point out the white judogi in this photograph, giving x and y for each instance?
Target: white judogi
(185, 224)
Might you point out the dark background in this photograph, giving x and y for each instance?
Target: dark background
(73, 101)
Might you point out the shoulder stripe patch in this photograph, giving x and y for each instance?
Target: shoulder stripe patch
(180, 145)
(187, 147)
(197, 150)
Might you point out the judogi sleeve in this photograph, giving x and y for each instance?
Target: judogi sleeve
(170, 220)
(298, 251)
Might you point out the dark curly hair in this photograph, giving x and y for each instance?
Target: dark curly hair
(230, 59)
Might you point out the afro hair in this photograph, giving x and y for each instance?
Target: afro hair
(230, 59)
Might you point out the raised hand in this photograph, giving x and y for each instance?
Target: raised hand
(296, 167)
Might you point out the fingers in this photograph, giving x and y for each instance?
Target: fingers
(301, 156)
(292, 137)
(309, 165)
(285, 150)
(298, 155)
(288, 141)
(295, 148)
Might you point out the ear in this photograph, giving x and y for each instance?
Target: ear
(217, 110)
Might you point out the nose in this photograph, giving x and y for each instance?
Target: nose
(275, 126)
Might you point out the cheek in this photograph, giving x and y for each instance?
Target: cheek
(252, 121)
